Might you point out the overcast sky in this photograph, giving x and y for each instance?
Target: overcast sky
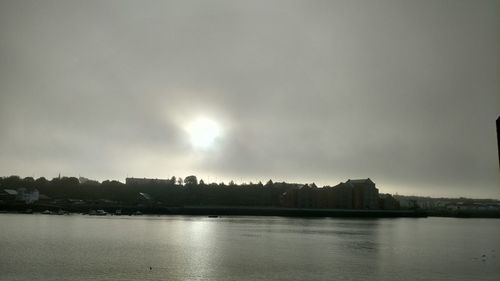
(403, 92)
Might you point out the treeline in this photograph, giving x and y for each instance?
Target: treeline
(169, 193)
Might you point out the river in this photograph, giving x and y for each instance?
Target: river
(78, 247)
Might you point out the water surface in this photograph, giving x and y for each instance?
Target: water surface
(76, 247)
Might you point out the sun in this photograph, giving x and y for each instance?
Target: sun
(203, 132)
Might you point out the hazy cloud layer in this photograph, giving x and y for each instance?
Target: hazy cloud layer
(404, 92)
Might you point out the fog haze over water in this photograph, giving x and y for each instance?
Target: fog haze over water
(403, 92)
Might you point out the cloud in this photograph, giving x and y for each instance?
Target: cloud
(402, 92)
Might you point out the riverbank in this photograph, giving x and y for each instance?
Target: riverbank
(236, 211)
(210, 211)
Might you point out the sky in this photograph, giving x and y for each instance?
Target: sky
(403, 92)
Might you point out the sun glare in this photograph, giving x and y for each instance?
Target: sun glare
(203, 132)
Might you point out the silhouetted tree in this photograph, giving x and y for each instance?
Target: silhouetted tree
(191, 180)
(41, 181)
(70, 181)
(112, 182)
(29, 182)
(212, 194)
(173, 180)
(12, 182)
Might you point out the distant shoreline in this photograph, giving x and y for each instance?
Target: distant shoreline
(292, 212)
(217, 211)
(242, 211)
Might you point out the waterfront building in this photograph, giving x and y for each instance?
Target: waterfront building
(352, 194)
(388, 202)
(365, 194)
(27, 195)
(338, 197)
(307, 197)
(8, 194)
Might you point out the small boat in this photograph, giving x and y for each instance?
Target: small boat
(213, 216)
(47, 212)
(138, 213)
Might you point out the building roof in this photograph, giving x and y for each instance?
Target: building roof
(343, 185)
(10, 191)
(360, 181)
